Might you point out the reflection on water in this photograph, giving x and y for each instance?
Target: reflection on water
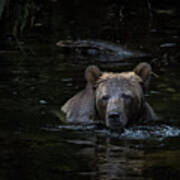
(132, 155)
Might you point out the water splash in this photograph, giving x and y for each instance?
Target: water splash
(151, 132)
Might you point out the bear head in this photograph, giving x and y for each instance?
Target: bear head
(119, 97)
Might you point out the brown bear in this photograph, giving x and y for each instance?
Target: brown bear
(116, 99)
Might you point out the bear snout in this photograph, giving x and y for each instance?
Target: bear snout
(114, 116)
(115, 120)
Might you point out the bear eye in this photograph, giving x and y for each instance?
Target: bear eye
(126, 96)
(105, 97)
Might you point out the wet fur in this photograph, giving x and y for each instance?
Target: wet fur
(82, 108)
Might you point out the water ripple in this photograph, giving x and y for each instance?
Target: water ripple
(138, 132)
(149, 132)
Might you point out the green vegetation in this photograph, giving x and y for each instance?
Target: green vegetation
(2, 5)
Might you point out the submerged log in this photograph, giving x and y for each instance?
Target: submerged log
(100, 50)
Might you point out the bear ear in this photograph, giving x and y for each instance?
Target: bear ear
(92, 74)
(144, 71)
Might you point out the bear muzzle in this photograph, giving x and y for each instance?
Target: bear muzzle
(115, 120)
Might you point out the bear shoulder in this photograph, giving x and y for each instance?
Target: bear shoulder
(80, 108)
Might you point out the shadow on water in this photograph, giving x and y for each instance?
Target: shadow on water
(33, 142)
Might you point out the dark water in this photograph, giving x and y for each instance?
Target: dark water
(33, 142)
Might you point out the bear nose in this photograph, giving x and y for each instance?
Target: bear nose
(114, 116)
